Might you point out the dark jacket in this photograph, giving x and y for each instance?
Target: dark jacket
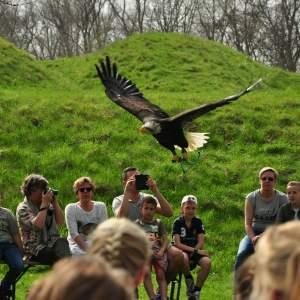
(286, 213)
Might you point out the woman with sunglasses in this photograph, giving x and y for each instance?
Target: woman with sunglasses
(83, 216)
(261, 208)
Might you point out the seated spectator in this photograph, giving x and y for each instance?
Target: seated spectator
(124, 245)
(83, 216)
(11, 250)
(290, 211)
(277, 268)
(78, 278)
(38, 216)
(128, 206)
(261, 208)
(188, 235)
(159, 242)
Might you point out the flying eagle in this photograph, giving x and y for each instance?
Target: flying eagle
(169, 131)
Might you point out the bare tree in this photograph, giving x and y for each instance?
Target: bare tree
(126, 17)
(172, 15)
(281, 46)
(60, 15)
(210, 20)
(243, 25)
(266, 30)
(9, 3)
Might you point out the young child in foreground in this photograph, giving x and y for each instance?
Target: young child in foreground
(159, 241)
(188, 235)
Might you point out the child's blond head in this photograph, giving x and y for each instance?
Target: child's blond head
(121, 243)
(277, 257)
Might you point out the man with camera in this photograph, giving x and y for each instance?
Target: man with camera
(128, 206)
(38, 216)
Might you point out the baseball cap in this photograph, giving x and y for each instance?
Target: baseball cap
(190, 198)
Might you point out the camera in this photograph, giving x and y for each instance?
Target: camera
(140, 182)
(54, 191)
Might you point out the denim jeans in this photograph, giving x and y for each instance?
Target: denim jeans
(12, 256)
(245, 249)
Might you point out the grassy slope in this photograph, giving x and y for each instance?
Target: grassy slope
(56, 120)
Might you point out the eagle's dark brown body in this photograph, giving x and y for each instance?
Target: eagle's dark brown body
(169, 131)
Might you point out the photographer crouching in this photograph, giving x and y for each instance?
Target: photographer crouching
(38, 216)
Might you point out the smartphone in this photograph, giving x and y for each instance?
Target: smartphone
(140, 182)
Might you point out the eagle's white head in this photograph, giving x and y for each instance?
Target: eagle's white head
(151, 126)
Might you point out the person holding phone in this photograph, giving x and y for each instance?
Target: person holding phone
(128, 205)
(38, 216)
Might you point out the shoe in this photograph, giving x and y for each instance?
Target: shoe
(5, 296)
(189, 286)
(194, 295)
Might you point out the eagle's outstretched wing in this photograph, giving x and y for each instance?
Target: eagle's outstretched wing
(190, 115)
(125, 93)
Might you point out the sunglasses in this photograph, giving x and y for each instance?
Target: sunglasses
(267, 178)
(87, 189)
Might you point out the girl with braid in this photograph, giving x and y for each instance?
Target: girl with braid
(124, 245)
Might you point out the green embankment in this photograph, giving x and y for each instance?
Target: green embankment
(57, 121)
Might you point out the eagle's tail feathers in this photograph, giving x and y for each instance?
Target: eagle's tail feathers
(195, 140)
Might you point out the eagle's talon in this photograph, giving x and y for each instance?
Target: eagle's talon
(175, 159)
(185, 156)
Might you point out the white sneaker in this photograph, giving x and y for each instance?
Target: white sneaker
(195, 296)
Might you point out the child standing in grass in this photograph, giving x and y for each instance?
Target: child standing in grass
(10, 250)
(159, 241)
(291, 210)
(188, 235)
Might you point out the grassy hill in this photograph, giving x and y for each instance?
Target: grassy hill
(57, 121)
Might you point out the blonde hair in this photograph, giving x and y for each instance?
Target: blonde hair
(278, 262)
(294, 183)
(79, 181)
(243, 281)
(266, 169)
(84, 277)
(121, 243)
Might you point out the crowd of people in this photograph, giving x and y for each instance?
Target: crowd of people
(110, 257)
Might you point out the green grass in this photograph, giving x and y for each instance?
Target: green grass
(57, 121)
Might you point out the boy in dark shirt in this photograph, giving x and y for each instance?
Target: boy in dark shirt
(188, 235)
(291, 210)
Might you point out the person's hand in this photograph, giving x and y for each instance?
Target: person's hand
(202, 252)
(151, 184)
(47, 198)
(130, 185)
(255, 239)
(159, 254)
